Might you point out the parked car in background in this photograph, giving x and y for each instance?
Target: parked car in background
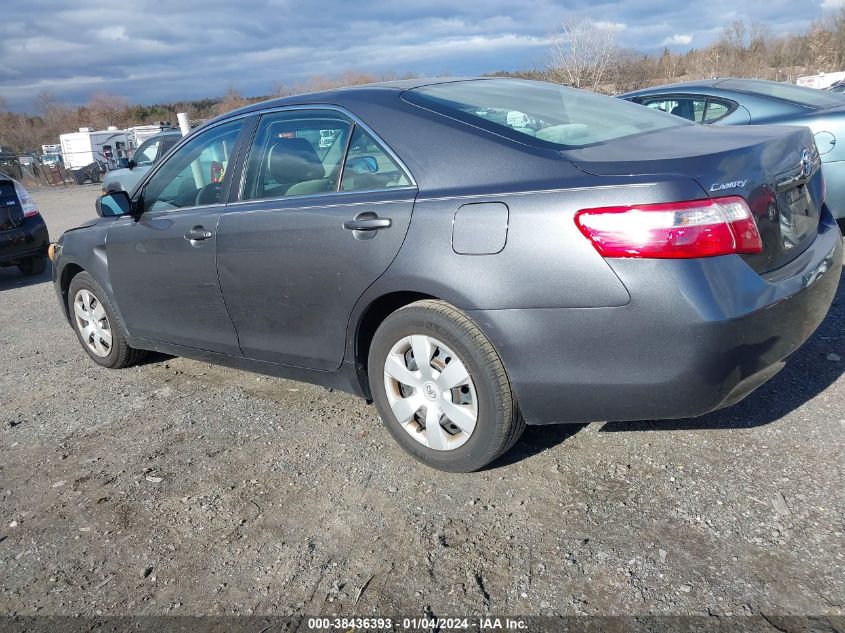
(23, 233)
(52, 159)
(438, 260)
(9, 161)
(131, 171)
(754, 101)
(839, 87)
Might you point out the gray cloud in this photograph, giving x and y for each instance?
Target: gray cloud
(149, 51)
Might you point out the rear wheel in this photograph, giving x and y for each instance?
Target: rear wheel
(97, 325)
(441, 389)
(32, 266)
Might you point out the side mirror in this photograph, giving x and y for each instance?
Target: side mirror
(114, 204)
(362, 165)
(131, 164)
(122, 163)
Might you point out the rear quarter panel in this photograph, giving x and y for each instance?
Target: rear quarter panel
(546, 262)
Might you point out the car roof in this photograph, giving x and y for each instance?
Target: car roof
(339, 96)
(679, 86)
(171, 132)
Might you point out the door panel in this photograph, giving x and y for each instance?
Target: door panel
(291, 273)
(163, 264)
(166, 284)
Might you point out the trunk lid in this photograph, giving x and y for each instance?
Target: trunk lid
(11, 212)
(775, 168)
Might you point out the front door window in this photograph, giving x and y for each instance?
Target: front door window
(194, 175)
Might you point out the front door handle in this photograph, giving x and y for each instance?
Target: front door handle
(198, 234)
(367, 222)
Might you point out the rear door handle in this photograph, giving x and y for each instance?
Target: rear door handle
(198, 234)
(367, 222)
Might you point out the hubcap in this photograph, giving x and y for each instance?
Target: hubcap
(92, 322)
(430, 392)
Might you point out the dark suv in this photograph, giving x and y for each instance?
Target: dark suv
(23, 234)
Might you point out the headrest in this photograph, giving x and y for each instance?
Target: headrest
(293, 160)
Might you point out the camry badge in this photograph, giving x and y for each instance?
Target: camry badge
(736, 184)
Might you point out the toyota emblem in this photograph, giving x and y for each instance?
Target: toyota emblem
(806, 163)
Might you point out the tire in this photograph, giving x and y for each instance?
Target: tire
(32, 266)
(114, 353)
(457, 443)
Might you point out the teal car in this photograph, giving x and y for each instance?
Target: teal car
(756, 102)
(132, 171)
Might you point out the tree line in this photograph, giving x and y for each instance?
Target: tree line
(584, 54)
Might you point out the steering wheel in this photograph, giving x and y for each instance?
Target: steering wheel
(210, 194)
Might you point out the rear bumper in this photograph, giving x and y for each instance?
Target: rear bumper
(30, 238)
(697, 335)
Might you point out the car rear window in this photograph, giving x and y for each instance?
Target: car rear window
(786, 92)
(539, 113)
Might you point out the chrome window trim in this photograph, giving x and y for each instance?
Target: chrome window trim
(354, 121)
(308, 196)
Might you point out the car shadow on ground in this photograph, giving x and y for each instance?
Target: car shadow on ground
(153, 358)
(536, 440)
(11, 278)
(808, 372)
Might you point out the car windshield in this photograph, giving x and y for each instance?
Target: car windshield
(811, 97)
(538, 113)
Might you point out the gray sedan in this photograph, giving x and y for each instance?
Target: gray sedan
(470, 255)
(754, 101)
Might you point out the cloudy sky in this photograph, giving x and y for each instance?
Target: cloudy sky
(152, 51)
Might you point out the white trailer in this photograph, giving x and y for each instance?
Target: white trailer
(820, 81)
(141, 133)
(80, 149)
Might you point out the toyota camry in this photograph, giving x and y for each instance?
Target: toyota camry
(470, 255)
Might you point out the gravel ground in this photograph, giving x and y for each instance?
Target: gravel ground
(180, 487)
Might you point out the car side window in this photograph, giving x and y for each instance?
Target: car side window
(295, 153)
(193, 176)
(146, 154)
(166, 143)
(716, 109)
(689, 108)
(369, 166)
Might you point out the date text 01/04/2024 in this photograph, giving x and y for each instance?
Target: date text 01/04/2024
(414, 624)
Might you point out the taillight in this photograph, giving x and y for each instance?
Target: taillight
(28, 206)
(672, 230)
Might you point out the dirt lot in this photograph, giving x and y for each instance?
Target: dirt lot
(179, 487)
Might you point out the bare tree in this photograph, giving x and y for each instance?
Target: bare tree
(105, 109)
(232, 100)
(583, 53)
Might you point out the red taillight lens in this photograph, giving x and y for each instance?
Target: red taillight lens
(672, 230)
(28, 206)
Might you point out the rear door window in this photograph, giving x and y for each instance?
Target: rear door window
(295, 153)
(368, 166)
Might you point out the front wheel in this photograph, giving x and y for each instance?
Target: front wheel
(441, 388)
(97, 326)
